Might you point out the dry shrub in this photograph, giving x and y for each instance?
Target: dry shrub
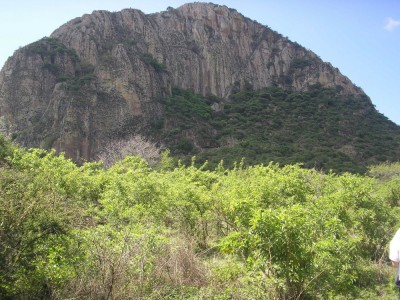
(135, 145)
(181, 265)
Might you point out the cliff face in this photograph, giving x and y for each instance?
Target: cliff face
(103, 74)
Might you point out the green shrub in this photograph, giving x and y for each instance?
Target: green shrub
(133, 232)
(147, 58)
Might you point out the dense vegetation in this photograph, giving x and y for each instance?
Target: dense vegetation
(183, 232)
(320, 128)
(50, 47)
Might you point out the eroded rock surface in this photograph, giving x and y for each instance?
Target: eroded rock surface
(103, 74)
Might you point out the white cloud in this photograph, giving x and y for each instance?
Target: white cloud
(391, 24)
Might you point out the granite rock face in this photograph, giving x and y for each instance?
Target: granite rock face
(102, 75)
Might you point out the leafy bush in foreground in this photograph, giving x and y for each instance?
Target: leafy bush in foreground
(133, 232)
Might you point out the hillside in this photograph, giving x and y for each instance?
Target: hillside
(318, 128)
(202, 80)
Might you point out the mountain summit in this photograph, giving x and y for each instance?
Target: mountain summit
(111, 74)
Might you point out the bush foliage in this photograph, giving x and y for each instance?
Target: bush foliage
(132, 231)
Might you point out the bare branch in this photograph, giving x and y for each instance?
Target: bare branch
(135, 145)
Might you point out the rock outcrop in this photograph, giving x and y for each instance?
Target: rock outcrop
(103, 74)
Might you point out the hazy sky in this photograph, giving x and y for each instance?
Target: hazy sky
(360, 37)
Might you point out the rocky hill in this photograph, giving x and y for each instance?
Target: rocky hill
(107, 75)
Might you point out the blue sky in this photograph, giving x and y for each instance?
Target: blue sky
(360, 37)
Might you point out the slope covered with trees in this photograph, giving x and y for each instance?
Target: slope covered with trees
(319, 128)
(181, 232)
